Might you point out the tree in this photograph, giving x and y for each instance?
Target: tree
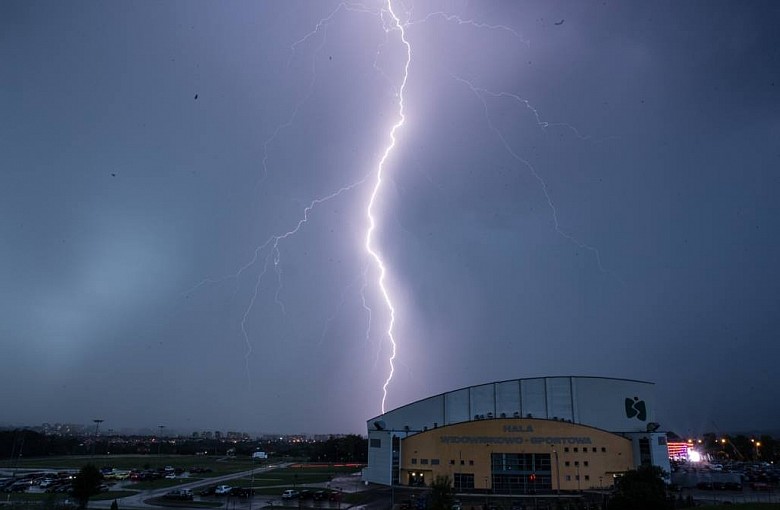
(641, 489)
(86, 484)
(442, 493)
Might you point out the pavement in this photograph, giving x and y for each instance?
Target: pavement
(346, 484)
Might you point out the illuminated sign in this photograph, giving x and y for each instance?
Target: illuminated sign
(516, 440)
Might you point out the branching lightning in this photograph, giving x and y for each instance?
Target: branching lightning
(274, 255)
(373, 251)
(480, 94)
(453, 18)
(269, 254)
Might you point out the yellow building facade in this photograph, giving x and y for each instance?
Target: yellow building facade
(515, 456)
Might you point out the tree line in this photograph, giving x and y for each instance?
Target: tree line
(27, 443)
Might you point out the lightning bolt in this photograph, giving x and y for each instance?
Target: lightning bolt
(480, 94)
(453, 18)
(268, 253)
(370, 248)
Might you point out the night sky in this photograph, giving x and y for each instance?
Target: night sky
(577, 188)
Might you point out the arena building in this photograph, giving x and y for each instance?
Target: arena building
(521, 436)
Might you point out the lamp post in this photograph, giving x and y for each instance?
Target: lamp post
(557, 474)
(97, 422)
(159, 439)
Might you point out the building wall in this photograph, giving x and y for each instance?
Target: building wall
(468, 448)
(620, 406)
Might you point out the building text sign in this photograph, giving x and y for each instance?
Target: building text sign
(528, 437)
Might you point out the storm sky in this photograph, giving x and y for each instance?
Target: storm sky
(578, 188)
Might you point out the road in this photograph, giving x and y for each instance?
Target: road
(346, 484)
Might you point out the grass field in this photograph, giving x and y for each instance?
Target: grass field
(292, 477)
(218, 465)
(184, 504)
(743, 506)
(58, 498)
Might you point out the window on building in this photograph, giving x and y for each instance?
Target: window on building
(594, 449)
(452, 462)
(567, 463)
(576, 477)
(568, 478)
(576, 463)
(424, 461)
(587, 477)
(661, 440)
(434, 462)
(414, 461)
(576, 449)
(463, 481)
(566, 449)
(375, 443)
(463, 463)
(471, 463)
(585, 463)
(603, 449)
(521, 473)
(644, 452)
(395, 444)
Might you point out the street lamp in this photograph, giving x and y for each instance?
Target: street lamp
(557, 473)
(97, 426)
(159, 439)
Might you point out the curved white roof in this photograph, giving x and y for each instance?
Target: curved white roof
(615, 405)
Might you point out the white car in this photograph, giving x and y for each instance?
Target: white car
(221, 490)
(290, 494)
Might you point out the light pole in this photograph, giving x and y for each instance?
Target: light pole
(159, 439)
(97, 422)
(557, 474)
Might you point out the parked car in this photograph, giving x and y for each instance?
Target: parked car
(208, 491)
(179, 494)
(290, 494)
(241, 492)
(222, 490)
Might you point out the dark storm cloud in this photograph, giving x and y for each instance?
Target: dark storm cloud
(149, 150)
